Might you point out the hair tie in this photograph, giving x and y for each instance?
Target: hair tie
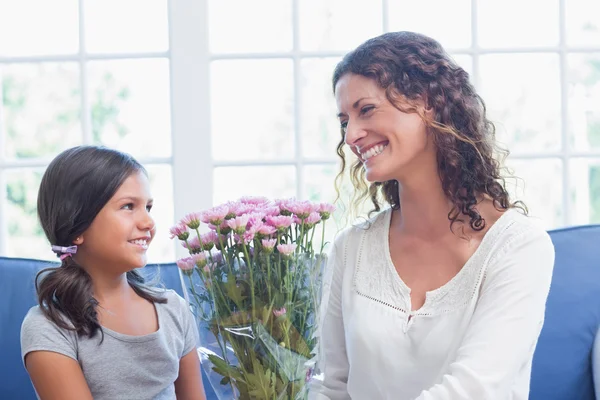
(64, 252)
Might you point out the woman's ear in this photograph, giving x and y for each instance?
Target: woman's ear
(78, 240)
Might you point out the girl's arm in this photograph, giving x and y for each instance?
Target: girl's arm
(56, 376)
(188, 385)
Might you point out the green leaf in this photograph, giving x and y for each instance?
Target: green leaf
(233, 291)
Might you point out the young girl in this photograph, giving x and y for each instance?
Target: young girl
(98, 331)
(441, 296)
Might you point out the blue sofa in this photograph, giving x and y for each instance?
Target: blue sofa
(564, 366)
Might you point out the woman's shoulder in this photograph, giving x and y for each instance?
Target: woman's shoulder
(516, 234)
(514, 223)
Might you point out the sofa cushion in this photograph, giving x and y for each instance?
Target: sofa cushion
(562, 366)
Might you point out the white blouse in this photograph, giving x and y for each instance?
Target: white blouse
(473, 338)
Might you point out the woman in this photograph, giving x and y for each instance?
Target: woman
(442, 294)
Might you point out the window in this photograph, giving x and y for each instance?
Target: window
(74, 72)
(233, 97)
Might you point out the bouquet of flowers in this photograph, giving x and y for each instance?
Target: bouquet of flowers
(254, 283)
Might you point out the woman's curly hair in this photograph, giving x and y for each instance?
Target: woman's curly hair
(411, 67)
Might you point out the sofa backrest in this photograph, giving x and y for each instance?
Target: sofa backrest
(17, 296)
(562, 364)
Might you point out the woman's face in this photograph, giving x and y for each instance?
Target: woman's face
(389, 142)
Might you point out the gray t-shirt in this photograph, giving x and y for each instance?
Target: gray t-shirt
(122, 367)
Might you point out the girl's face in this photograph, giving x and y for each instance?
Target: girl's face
(122, 231)
(386, 140)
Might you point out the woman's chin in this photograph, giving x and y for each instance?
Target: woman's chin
(374, 175)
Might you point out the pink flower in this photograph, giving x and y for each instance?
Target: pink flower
(256, 218)
(268, 244)
(238, 224)
(248, 236)
(280, 312)
(326, 209)
(186, 264)
(223, 228)
(255, 200)
(199, 259)
(270, 210)
(180, 231)
(193, 245)
(301, 208)
(313, 219)
(281, 222)
(215, 215)
(192, 220)
(267, 230)
(209, 239)
(238, 208)
(286, 249)
(283, 205)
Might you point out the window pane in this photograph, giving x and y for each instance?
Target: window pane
(274, 182)
(242, 26)
(522, 92)
(584, 98)
(115, 26)
(41, 108)
(161, 184)
(585, 191)
(320, 129)
(130, 106)
(252, 103)
(25, 236)
(319, 182)
(418, 17)
(538, 183)
(319, 186)
(33, 27)
(509, 23)
(583, 22)
(338, 25)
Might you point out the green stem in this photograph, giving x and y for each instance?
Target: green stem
(312, 237)
(268, 256)
(323, 238)
(214, 310)
(251, 275)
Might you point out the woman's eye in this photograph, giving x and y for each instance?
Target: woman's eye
(149, 207)
(366, 109)
(128, 206)
(344, 125)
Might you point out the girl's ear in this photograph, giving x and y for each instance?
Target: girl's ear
(78, 240)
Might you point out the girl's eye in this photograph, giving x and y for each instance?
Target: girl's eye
(128, 206)
(149, 207)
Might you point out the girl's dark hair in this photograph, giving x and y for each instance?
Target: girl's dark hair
(74, 188)
(411, 67)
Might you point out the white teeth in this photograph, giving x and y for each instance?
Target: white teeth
(373, 151)
(140, 242)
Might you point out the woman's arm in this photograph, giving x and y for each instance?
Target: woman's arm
(56, 376)
(506, 324)
(333, 360)
(188, 385)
